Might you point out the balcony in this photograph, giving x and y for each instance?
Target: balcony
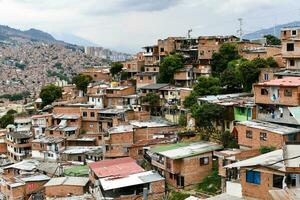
(147, 54)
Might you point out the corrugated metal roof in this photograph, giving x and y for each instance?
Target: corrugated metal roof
(40, 177)
(267, 126)
(183, 150)
(272, 159)
(131, 180)
(76, 181)
(116, 168)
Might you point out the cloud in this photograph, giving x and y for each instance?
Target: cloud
(131, 24)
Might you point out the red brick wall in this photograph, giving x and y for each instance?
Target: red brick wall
(257, 191)
(283, 100)
(64, 190)
(273, 139)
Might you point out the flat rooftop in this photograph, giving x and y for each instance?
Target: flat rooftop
(240, 99)
(286, 81)
(267, 126)
(121, 129)
(151, 123)
(184, 150)
(156, 86)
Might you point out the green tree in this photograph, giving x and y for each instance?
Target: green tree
(116, 68)
(271, 62)
(228, 140)
(230, 78)
(204, 86)
(124, 75)
(206, 114)
(11, 112)
(168, 67)
(190, 100)
(6, 120)
(82, 81)
(220, 60)
(153, 101)
(272, 40)
(207, 86)
(49, 94)
(249, 74)
(182, 120)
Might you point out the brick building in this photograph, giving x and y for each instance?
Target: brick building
(291, 47)
(117, 141)
(145, 78)
(125, 180)
(48, 148)
(278, 100)
(19, 145)
(66, 186)
(264, 173)
(254, 134)
(115, 94)
(184, 164)
(98, 74)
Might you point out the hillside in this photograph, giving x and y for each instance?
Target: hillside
(271, 30)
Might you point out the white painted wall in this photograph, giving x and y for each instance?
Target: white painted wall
(234, 189)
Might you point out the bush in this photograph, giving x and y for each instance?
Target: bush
(266, 149)
(178, 196)
(210, 184)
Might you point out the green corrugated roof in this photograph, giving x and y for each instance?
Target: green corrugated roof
(162, 148)
(77, 171)
(183, 150)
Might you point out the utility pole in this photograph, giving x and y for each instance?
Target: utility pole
(189, 33)
(240, 31)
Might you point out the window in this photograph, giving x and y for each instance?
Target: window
(162, 49)
(204, 161)
(84, 114)
(91, 125)
(284, 32)
(292, 63)
(263, 136)
(141, 78)
(249, 134)
(225, 162)
(253, 177)
(149, 77)
(277, 181)
(264, 91)
(92, 114)
(290, 46)
(140, 152)
(266, 77)
(147, 69)
(154, 69)
(294, 32)
(288, 92)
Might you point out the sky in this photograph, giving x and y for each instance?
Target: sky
(128, 25)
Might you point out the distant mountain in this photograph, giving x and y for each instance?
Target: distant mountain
(11, 34)
(275, 29)
(73, 39)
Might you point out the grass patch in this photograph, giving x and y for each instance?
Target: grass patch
(177, 196)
